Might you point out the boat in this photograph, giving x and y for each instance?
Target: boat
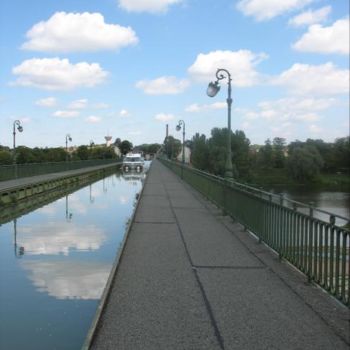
(133, 162)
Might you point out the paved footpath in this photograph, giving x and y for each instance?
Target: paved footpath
(30, 180)
(190, 278)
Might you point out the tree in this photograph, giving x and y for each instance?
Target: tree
(265, 157)
(172, 147)
(200, 152)
(82, 152)
(5, 157)
(305, 163)
(278, 152)
(125, 147)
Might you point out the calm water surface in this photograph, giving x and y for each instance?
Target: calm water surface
(55, 261)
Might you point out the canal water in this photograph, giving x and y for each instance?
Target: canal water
(55, 262)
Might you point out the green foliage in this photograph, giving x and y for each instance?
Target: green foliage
(125, 147)
(279, 146)
(149, 148)
(5, 157)
(82, 152)
(172, 147)
(305, 163)
(200, 152)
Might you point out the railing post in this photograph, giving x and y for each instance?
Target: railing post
(311, 214)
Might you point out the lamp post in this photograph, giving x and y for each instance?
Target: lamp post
(212, 90)
(68, 138)
(178, 128)
(20, 129)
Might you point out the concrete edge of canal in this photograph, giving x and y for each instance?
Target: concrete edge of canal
(14, 191)
(106, 292)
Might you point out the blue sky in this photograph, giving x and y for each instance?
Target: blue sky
(129, 67)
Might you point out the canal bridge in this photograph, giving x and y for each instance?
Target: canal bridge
(198, 270)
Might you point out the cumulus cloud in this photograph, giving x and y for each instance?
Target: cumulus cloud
(194, 108)
(46, 102)
(333, 39)
(152, 6)
(292, 108)
(163, 86)
(263, 10)
(58, 74)
(323, 79)
(78, 104)
(124, 113)
(163, 117)
(311, 17)
(66, 114)
(241, 64)
(93, 119)
(72, 32)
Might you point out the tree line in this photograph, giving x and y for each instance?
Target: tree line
(301, 161)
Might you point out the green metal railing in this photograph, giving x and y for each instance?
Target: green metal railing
(313, 240)
(10, 172)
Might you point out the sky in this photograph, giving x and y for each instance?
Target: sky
(126, 68)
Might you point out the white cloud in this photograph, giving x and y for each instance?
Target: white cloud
(66, 114)
(71, 32)
(163, 86)
(289, 109)
(46, 102)
(58, 74)
(263, 10)
(333, 39)
(311, 17)
(194, 108)
(100, 105)
(78, 104)
(152, 6)
(93, 119)
(124, 113)
(163, 117)
(315, 129)
(324, 79)
(241, 64)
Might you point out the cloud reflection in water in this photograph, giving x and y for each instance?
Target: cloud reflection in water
(55, 238)
(68, 279)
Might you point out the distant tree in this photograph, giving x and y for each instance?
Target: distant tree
(82, 152)
(278, 152)
(200, 151)
(5, 157)
(304, 163)
(125, 147)
(24, 155)
(265, 158)
(172, 147)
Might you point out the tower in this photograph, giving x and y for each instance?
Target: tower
(108, 140)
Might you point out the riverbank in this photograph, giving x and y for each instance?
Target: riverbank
(279, 177)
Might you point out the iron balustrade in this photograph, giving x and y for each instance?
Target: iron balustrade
(8, 172)
(313, 240)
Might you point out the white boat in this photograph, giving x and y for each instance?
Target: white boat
(133, 161)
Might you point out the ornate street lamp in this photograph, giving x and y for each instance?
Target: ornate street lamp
(68, 138)
(20, 129)
(212, 90)
(178, 128)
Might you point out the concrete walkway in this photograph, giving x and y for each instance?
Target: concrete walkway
(190, 278)
(30, 180)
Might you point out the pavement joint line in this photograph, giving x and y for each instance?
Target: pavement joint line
(155, 222)
(308, 305)
(232, 267)
(201, 288)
